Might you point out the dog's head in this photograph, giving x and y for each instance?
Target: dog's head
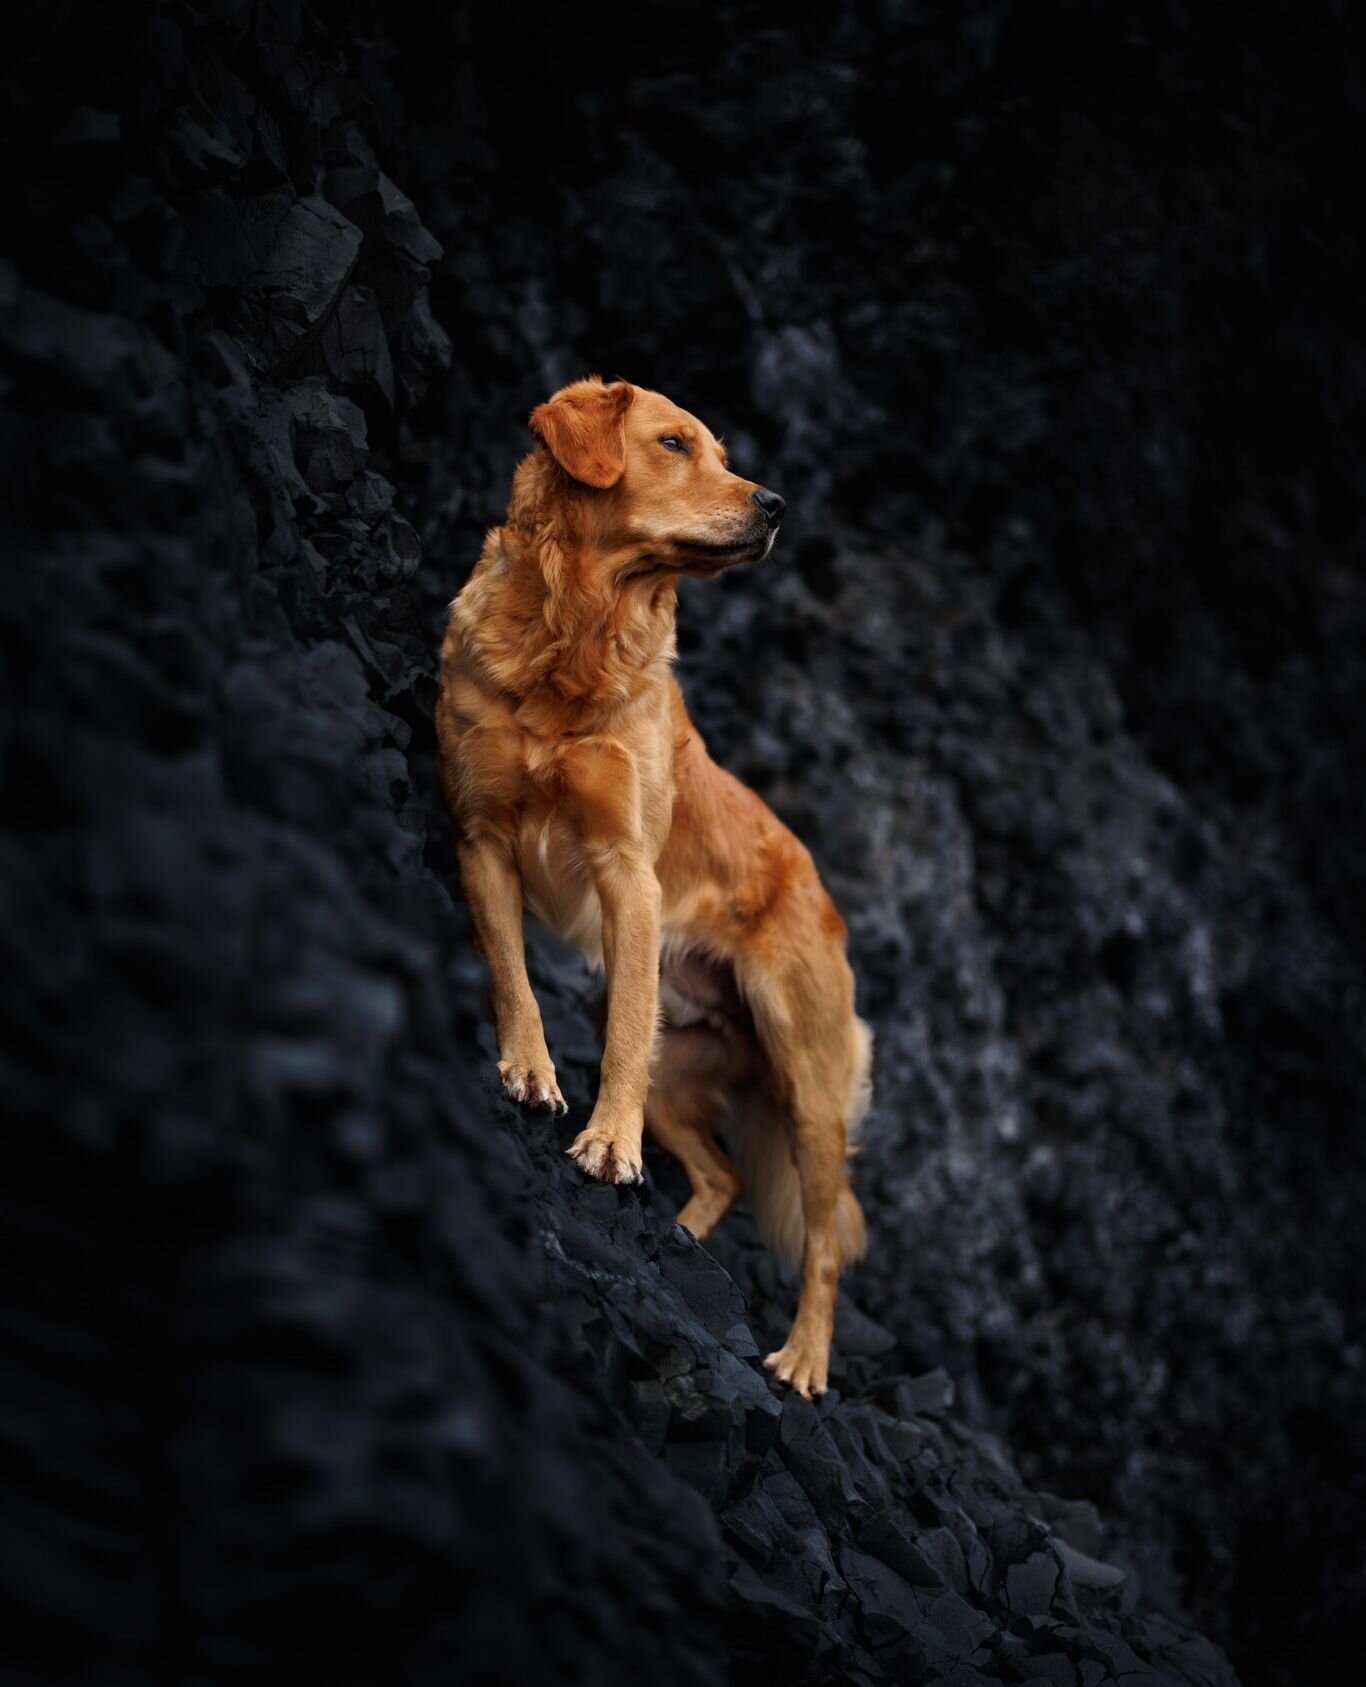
(650, 484)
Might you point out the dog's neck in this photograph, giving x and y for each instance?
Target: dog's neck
(572, 657)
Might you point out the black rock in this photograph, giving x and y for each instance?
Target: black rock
(321, 1362)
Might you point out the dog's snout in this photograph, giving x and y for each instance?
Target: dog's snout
(771, 504)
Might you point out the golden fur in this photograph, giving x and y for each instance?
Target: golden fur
(580, 789)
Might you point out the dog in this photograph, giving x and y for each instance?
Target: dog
(579, 788)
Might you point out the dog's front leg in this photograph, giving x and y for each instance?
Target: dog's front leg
(494, 893)
(610, 1147)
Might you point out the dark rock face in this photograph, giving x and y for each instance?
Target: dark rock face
(319, 1362)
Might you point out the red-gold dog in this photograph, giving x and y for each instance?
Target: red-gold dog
(577, 782)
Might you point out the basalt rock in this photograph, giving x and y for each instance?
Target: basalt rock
(321, 1361)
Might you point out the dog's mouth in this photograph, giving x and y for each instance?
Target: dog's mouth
(706, 556)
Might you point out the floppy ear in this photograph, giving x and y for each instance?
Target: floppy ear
(584, 428)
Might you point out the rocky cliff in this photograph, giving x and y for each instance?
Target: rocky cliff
(320, 1362)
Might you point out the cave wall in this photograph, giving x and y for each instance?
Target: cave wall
(330, 1363)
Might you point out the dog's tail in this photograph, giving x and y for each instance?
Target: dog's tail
(761, 1140)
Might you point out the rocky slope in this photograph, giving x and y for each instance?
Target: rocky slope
(322, 1363)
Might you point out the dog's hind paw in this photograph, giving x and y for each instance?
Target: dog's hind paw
(800, 1367)
(532, 1088)
(608, 1155)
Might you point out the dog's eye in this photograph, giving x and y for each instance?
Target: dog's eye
(671, 442)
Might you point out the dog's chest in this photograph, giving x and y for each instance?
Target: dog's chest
(584, 797)
(556, 884)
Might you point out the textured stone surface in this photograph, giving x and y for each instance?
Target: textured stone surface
(318, 1361)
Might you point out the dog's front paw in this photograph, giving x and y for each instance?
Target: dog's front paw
(803, 1365)
(532, 1083)
(608, 1153)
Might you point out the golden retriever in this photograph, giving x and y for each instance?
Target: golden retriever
(579, 787)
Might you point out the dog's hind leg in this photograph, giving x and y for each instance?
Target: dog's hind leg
(817, 1052)
(804, 1358)
(693, 1077)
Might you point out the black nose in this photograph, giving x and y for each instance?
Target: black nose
(771, 504)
